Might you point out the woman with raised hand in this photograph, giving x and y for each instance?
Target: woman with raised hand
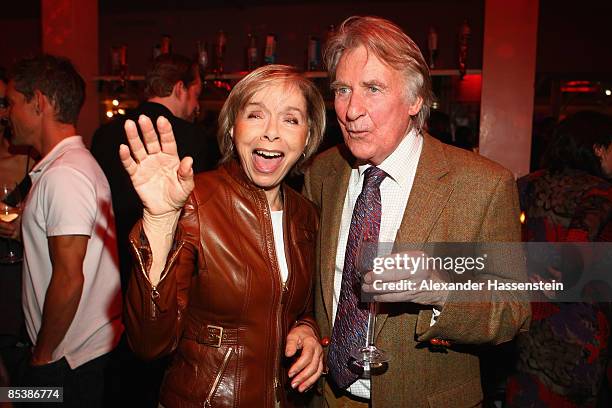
(225, 259)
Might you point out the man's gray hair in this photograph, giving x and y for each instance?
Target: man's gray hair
(390, 45)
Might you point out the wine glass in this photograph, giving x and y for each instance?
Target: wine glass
(9, 212)
(369, 356)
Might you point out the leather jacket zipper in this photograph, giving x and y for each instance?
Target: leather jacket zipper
(277, 382)
(274, 259)
(217, 380)
(283, 286)
(154, 292)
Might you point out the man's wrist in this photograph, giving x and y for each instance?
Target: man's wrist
(40, 357)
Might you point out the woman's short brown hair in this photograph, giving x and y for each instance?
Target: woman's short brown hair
(259, 79)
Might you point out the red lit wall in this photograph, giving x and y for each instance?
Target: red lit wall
(508, 75)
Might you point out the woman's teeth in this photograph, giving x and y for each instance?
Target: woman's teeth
(268, 155)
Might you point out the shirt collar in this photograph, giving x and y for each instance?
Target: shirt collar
(57, 151)
(395, 163)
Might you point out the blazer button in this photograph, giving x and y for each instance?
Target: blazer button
(440, 342)
(325, 341)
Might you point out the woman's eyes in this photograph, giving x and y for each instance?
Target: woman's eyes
(254, 115)
(292, 120)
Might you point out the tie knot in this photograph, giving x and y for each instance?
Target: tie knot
(373, 176)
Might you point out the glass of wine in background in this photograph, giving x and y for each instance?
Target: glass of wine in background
(9, 214)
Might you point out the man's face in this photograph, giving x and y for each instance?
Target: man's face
(605, 155)
(189, 105)
(372, 105)
(24, 121)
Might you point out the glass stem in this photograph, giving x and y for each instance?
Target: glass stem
(371, 323)
(11, 252)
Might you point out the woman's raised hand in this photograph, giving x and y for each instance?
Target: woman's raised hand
(163, 181)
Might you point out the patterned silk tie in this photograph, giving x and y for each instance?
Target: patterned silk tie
(351, 321)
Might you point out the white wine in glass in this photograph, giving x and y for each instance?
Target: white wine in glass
(369, 356)
(9, 214)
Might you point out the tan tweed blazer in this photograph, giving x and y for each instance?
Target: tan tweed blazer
(457, 196)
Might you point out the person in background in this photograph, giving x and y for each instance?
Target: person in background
(407, 187)
(15, 164)
(562, 359)
(172, 87)
(71, 289)
(225, 261)
(15, 161)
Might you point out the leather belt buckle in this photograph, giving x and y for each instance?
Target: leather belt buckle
(215, 335)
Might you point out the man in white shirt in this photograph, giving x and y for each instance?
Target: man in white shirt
(392, 183)
(71, 288)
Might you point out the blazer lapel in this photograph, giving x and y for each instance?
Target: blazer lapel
(428, 197)
(333, 192)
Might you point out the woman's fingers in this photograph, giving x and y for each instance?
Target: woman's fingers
(185, 174)
(308, 383)
(153, 144)
(138, 150)
(185, 170)
(128, 163)
(311, 370)
(166, 136)
(149, 135)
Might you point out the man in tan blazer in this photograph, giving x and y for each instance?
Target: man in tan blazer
(430, 192)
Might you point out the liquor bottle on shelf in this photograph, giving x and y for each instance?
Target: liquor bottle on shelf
(119, 65)
(202, 56)
(465, 33)
(270, 50)
(220, 44)
(123, 65)
(115, 60)
(251, 53)
(166, 44)
(432, 45)
(314, 54)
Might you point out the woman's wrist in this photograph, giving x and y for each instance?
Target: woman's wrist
(309, 323)
(159, 230)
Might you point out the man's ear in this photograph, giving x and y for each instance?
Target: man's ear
(178, 90)
(40, 101)
(416, 106)
(599, 151)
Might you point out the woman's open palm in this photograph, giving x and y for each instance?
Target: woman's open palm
(163, 181)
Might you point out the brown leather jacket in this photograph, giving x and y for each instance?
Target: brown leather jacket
(220, 305)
